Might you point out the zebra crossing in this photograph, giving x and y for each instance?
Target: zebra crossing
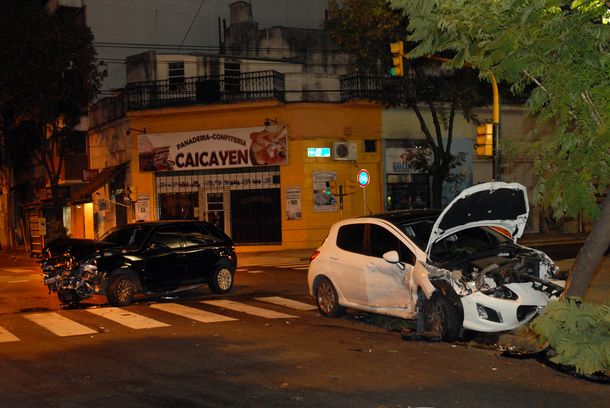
(299, 266)
(61, 325)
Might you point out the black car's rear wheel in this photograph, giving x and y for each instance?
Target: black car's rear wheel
(221, 280)
(327, 299)
(120, 291)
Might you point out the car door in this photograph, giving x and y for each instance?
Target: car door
(202, 250)
(165, 259)
(348, 260)
(387, 283)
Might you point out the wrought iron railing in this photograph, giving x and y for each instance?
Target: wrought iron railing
(393, 90)
(247, 86)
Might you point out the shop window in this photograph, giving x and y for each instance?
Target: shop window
(177, 206)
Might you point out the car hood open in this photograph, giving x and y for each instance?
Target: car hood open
(493, 204)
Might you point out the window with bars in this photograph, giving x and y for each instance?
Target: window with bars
(176, 75)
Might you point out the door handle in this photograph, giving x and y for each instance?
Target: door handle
(372, 267)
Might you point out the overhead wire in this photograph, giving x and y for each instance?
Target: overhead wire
(190, 26)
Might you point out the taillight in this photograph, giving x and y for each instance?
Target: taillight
(314, 255)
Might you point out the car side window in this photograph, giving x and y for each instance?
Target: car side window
(166, 236)
(383, 241)
(192, 235)
(351, 238)
(211, 235)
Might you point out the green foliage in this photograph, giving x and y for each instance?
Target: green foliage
(563, 52)
(579, 333)
(48, 77)
(365, 29)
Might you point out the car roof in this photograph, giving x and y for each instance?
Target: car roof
(162, 222)
(402, 216)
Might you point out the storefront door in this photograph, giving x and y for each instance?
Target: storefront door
(255, 216)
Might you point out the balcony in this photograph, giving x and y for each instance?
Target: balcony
(394, 90)
(248, 86)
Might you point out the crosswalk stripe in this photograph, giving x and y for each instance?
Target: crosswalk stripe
(280, 301)
(16, 270)
(292, 266)
(58, 324)
(252, 310)
(6, 336)
(126, 318)
(191, 313)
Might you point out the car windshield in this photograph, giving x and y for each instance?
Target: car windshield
(418, 231)
(128, 236)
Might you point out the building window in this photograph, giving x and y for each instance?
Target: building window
(232, 74)
(176, 75)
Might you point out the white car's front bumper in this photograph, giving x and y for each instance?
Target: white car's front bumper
(485, 313)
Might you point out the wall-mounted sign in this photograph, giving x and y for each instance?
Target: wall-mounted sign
(363, 178)
(142, 208)
(322, 180)
(214, 149)
(318, 152)
(403, 159)
(293, 203)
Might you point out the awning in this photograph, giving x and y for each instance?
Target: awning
(83, 193)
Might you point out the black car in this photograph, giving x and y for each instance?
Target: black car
(147, 257)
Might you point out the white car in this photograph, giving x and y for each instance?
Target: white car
(461, 268)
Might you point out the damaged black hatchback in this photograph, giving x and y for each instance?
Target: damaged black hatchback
(148, 257)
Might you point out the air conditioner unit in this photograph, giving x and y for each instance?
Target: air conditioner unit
(345, 151)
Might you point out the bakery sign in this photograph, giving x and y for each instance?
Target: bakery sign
(213, 149)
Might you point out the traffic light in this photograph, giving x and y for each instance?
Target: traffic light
(328, 191)
(485, 140)
(396, 48)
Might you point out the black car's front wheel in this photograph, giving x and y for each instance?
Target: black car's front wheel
(68, 297)
(327, 299)
(221, 280)
(120, 291)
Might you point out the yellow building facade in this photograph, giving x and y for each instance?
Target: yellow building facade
(297, 200)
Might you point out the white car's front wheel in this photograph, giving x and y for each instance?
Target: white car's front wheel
(441, 317)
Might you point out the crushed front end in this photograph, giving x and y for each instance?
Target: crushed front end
(73, 280)
(502, 291)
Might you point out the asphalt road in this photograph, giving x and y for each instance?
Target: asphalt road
(292, 359)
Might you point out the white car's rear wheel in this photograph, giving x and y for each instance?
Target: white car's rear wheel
(327, 299)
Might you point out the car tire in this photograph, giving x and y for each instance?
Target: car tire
(327, 299)
(68, 297)
(441, 317)
(120, 291)
(221, 280)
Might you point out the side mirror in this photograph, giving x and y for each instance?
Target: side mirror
(391, 257)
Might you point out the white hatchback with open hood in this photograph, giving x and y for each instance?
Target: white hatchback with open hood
(459, 268)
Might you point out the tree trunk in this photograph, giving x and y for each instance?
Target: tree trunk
(591, 253)
(437, 191)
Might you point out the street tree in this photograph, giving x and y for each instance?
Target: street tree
(365, 29)
(562, 50)
(48, 77)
